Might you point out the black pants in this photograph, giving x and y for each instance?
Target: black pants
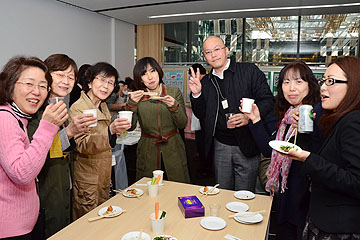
(22, 237)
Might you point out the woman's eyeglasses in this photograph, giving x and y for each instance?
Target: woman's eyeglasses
(330, 81)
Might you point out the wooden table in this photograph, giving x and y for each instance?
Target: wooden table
(139, 209)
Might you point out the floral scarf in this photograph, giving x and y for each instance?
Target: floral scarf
(280, 163)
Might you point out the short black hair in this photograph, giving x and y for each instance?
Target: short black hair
(197, 66)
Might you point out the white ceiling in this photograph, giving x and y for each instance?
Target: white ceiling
(138, 11)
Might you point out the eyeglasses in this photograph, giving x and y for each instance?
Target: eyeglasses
(62, 76)
(215, 50)
(330, 81)
(43, 87)
(104, 81)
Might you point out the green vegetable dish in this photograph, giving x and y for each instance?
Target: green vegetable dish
(287, 148)
(162, 238)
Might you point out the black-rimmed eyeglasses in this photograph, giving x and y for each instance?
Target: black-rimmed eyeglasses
(330, 81)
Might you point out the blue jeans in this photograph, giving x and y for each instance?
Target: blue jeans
(233, 170)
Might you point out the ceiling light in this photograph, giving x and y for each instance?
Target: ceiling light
(256, 10)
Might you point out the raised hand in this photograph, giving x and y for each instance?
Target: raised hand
(136, 95)
(254, 116)
(119, 125)
(80, 124)
(56, 113)
(194, 82)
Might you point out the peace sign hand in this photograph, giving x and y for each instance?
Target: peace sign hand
(194, 82)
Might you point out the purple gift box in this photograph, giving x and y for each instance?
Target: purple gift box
(191, 206)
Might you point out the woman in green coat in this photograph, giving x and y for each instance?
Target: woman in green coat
(160, 111)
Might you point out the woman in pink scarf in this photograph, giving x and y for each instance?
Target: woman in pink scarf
(297, 85)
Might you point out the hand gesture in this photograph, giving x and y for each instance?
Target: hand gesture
(80, 124)
(136, 95)
(295, 115)
(254, 116)
(169, 101)
(119, 125)
(194, 82)
(239, 120)
(298, 156)
(56, 113)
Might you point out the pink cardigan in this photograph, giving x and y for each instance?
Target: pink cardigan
(20, 163)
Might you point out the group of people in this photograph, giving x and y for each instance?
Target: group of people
(317, 190)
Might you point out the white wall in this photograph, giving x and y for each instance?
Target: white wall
(43, 27)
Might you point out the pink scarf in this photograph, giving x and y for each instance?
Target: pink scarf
(280, 162)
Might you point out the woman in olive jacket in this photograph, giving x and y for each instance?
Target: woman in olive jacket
(160, 145)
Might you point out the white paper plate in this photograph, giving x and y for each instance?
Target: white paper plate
(277, 145)
(116, 210)
(237, 207)
(250, 219)
(157, 98)
(244, 194)
(213, 223)
(167, 237)
(215, 191)
(135, 236)
(139, 192)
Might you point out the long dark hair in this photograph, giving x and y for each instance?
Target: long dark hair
(351, 101)
(140, 69)
(281, 104)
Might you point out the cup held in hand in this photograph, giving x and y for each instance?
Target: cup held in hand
(126, 114)
(94, 113)
(247, 105)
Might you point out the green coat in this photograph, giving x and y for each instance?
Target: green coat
(54, 187)
(173, 151)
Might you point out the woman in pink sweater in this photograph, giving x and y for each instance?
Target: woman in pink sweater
(24, 86)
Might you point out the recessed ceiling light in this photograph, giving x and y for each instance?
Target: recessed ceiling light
(256, 10)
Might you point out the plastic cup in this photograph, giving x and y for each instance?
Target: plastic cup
(152, 189)
(93, 112)
(126, 114)
(157, 225)
(214, 209)
(54, 100)
(228, 124)
(156, 173)
(247, 104)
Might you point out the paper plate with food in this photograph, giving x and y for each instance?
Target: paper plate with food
(110, 211)
(209, 190)
(164, 237)
(283, 146)
(244, 195)
(132, 192)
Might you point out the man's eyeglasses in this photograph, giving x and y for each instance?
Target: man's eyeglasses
(215, 50)
(62, 75)
(43, 87)
(330, 81)
(104, 81)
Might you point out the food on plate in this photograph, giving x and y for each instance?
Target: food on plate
(205, 189)
(131, 191)
(163, 238)
(109, 210)
(287, 148)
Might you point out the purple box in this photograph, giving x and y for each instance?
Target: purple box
(191, 206)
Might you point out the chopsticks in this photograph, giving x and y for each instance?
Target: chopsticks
(148, 93)
(211, 189)
(241, 214)
(106, 215)
(296, 133)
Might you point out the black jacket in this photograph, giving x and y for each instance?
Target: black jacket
(246, 80)
(335, 175)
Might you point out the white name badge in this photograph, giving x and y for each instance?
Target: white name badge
(224, 104)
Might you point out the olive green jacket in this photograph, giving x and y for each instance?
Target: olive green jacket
(156, 118)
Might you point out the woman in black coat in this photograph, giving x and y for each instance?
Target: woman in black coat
(335, 172)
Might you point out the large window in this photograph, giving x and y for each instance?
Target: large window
(268, 40)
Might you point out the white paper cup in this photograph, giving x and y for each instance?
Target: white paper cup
(126, 114)
(55, 100)
(152, 189)
(157, 225)
(158, 172)
(247, 104)
(228, 124)
(93, 112)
